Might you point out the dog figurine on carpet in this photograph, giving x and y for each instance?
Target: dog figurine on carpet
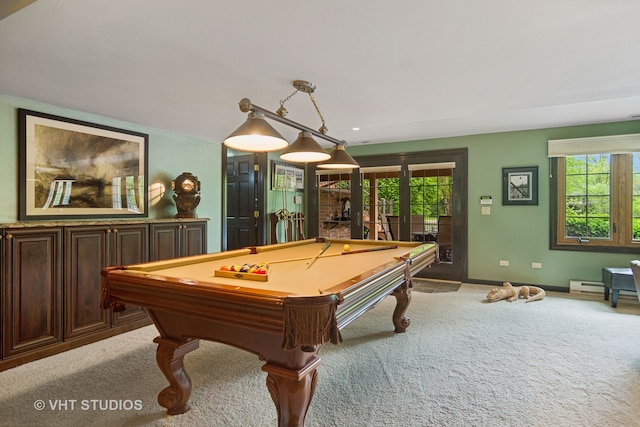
(512, 293)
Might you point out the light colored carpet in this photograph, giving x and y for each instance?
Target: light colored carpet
(434, 286)
(563, 361)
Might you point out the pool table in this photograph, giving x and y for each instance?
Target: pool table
(313, 289)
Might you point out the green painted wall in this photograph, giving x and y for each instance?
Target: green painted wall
(519, 234)
(169, 156)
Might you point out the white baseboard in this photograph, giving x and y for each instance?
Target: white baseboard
(585, 286)
(577, 286)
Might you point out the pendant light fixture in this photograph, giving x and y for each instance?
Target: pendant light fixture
(339, 159)
(257, 135)
(305, 149)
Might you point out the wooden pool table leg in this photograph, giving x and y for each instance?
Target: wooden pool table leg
(170, 355)
(403, 299)
(292, 391)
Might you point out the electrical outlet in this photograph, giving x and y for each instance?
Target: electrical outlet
(536, 265)
(504, 263)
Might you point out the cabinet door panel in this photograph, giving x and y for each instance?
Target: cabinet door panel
(32, 297)
(86, 250)
(195, 239)
(165, 241)
(129, 247)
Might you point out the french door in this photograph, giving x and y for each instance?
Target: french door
(422, 197)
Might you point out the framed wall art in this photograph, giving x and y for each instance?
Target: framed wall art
(286, 177)
(74, 169)
(520, 186)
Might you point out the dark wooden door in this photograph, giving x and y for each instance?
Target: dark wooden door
(241, 202)
(32, 285)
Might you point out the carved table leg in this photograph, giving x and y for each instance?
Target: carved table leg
(403, 298)
(169, 356)
(292, 391)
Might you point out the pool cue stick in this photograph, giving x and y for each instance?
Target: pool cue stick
(324, 248)
(360, 251)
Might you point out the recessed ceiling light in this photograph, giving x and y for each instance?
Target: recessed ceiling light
(355, 129)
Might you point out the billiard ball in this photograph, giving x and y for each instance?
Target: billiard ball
(346, 247)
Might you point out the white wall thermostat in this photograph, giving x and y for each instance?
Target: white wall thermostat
(485, 200)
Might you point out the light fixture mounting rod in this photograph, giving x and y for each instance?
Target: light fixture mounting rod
(246, 106)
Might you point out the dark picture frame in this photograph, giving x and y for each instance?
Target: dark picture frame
(286, 177)
(520, 185)
(75, 169)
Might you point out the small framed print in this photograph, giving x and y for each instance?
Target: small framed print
(520, 186)
(286, 177)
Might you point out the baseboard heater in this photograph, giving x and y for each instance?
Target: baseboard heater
(584, 286)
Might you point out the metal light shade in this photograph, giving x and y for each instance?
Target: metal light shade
(256, 135)
(305, 149)
(340, 159)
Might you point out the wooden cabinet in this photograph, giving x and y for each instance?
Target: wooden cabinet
(50, 277)
(88, 249)
(174, 240)
(31, 290)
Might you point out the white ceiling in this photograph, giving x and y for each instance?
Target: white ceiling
(399, 70)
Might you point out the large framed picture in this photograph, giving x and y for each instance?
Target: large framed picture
(74, 169)
(520, 186)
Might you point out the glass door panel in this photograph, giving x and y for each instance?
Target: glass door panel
(430, 189)
(334, 204)
(381, 203)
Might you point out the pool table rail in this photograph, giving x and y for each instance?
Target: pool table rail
(225, 306)
(394, 280)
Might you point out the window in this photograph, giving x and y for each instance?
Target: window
(636, 197)
(597, 193)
